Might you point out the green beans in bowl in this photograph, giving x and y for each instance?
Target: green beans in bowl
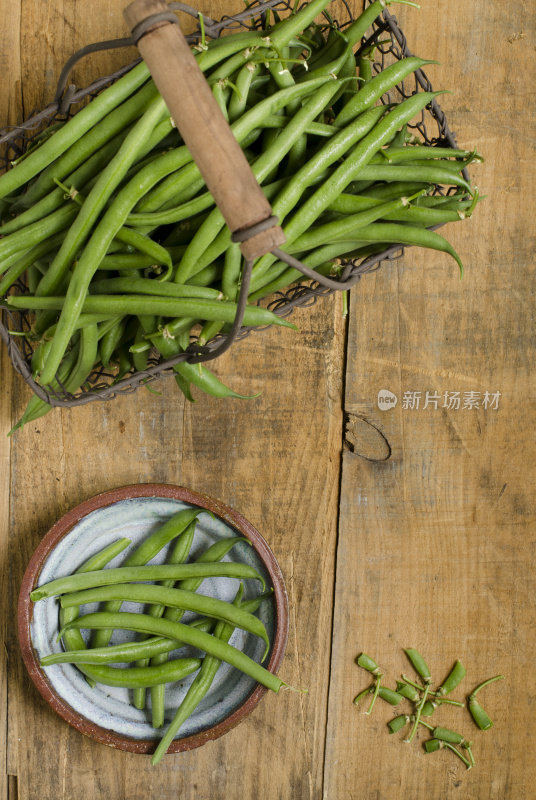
(153, 619)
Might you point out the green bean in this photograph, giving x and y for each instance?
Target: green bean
(333, 57)
(214, 553)
(95, 249)
(176, 183)
(445, 738)
(33, 276)
(358, 28)
(111, 340)
(221, 92)
(152, 572)
(327, 155)
(395, 233)
(101, 107)
(446, 735)
(73, 129)
(143, 677)
(290, 27)
(366, 662)
(348, 70)
(107, 182)
(421, 668)
(117, 653)
(239, 99)
(208, 332)
(135, 261)
(56, 198)
(231, 272)
(37, 407)
(142, 623)
(39, 357)
(271, 156)
(432, 745)
(401, 154)
(398, 723)
(175, 598)
(365, 62)
(281, 275)
(35, 233)
(134, 651)
(230, 66)
(390, 190)
(79, 231)
(394, 698)
(221, 243)
(104, 325)
(199, 308)
(73, 640)
(429, 205)
(424, 174)
(306, 176)
(210, 274)
(198, 374)
(358, 158)
(219, 50)
(140, 346)
(178, 555)
(428, 708)
(26, 260)
(172, 215)
(480, 717)
(448, 201)
(184, 387)
(145, 245)
(320, 129)
(172, 528)
(421, 215)
(140, 357)
(199, 687)
(378, 86)
(87, 357)
(410, 692)
(80, 151)
(154, 287)
(344, 227)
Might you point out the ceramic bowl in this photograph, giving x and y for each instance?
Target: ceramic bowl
(107, 714)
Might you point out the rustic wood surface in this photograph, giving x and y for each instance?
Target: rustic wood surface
(412, 527)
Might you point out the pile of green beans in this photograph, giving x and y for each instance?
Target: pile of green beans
(123, 250)
(425, 701)
(167, 592)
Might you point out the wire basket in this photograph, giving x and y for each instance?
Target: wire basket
(431, 128)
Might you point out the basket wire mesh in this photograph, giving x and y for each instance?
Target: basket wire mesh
(431, 128)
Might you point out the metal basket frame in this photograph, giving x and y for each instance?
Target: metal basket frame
(103, 385)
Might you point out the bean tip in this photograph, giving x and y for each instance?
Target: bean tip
(285, 324)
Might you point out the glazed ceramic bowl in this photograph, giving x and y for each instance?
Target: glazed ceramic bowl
(107, 714)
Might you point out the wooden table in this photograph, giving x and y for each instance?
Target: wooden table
(432, 547)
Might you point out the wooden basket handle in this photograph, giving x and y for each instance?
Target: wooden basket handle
(203, 127)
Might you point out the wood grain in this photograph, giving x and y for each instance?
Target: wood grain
(256, 456)
(422, 535)
(435, 544)
(11, 105)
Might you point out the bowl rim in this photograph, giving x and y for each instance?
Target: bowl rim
(62, 527)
